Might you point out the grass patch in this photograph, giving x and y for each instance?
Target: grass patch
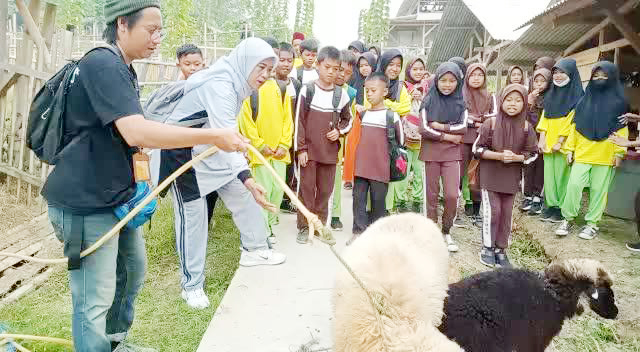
(592, 334)
(527, 252)
(163, 320)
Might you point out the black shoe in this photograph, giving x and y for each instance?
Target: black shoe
(336, 224)
(536, 208)
(476, 220)
(526, 204)
(556, 217)
(468, 210)
(488, 257)
(547, 213)
(288, 207)
(303, 235)
(502, 261)
(416, 207)
(348, 186)
(634, 247)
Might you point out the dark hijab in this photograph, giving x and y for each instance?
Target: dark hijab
(597, 112)
(543, 62)
(461, 64)
(394, 85)
(477, 100)
(559, 101)
(357, 81)
(407, 72)
(546, 73)
(509, 131)
(358, 45)
(445, 108)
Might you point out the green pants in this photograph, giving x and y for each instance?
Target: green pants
(598, 179)
(466, 193)
(414, 176)
(336, 211)
(273, 191)
(556, 177)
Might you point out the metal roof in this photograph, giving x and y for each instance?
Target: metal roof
(408, 7)
(537, 41)
(553, 6)
(454, 33)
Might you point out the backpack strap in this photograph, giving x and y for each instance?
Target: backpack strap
(297, 85)
(300, 73)
(311, 90)
(254, 100)
(391, 129)
(337, 97)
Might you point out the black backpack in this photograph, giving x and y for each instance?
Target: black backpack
(46, 125)
(398, 157)
(255, 98)
(337, 96)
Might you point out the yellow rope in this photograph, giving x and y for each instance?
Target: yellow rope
(314, 223)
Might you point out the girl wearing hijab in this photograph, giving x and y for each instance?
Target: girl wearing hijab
(444, 122)
(504, 144)
(480, 105)
(593, 155)
(534, 172)
(462, 64)
(554, 127)
(543, 62)
(414, 74)
(366, 65)
(515, 75)
(357, 47)
(215, 95)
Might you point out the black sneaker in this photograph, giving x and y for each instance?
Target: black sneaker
(536, 208)
(348, 186)
(502, 261)
(526, 204)
(303, 235)
(476, 220)
(288, 207)
(547, 213)
(634, 247)
(468, 210)
(556, 217)
(488, 257)
(336, 224)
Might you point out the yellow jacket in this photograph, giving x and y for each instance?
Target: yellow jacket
(274, 123)
(555, 128)
(586, 151)
(297, 62)
(401, 107)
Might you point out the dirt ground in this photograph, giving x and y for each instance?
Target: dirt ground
(12, 211)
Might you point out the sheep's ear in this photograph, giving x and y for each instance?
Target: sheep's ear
(594, 294)
(579, 309)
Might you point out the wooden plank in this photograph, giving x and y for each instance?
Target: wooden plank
(29, 251)
(615, 44)
(4, 48)
(616, 56)
(49, 24)
(31, 285)
(14, 278)
(8, 82)
(31, 16)
(624, 9)
(622, 24)
(14, 172)
(25, 71)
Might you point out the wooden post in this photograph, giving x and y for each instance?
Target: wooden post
(4, 49)
(616, 56)
(31, 17)
(621, 23)
(498, 79)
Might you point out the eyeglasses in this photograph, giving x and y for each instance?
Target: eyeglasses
(157, 34)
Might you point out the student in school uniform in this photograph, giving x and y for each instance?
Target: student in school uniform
(543, 62)
(348, 62)
(366, 64)
(317, 132)
(534, 172)
(372, 157)
(593, 155)
(356, 47)
(295, 42)
(283, 68)
(398, 99)
(417, 87)
(270, 130)
(554, 126)
(480, 105)
(504, 144)
(307, 71)
(444, 123)
(515, 75)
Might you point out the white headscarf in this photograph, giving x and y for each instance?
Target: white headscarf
(235, 68)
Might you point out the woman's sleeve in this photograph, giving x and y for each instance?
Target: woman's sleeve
(569, 145)
(618, 150)
(428, 132)
(287, 130)
(483, 141)
(531, 147)
(401, 107)
(459, 128)
(567, 124)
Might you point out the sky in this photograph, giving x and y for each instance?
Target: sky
(495, 18)
(336, 21)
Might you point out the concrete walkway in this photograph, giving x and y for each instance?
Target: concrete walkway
(280, 308)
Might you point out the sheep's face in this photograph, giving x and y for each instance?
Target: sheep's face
(602, 301)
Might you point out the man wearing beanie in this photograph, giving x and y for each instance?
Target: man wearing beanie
(94, 174)
(295, 42)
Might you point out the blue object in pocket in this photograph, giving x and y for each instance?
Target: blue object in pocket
(143, 189)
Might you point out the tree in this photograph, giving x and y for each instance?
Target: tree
(73, 12)
(375, 24)
(179, 24)
(304, 17)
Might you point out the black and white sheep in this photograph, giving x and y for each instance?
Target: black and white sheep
(401, 259)
(519, 310)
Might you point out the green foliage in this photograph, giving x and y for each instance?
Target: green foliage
(73, 12)
(304, 17)
(374, 23)
(179, 24)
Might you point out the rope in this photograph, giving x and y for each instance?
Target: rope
(326, 236)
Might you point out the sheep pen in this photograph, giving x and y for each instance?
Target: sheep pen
(404, 262)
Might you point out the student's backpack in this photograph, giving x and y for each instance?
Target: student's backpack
(300, 73)
(46, 124)
(254, 100)
(398, 157)
(337, 96)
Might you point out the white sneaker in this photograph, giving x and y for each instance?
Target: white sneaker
(564, 228)
(196, 298)
(272, 240)
(127, 347)
(261, 257)
(451, 245)
(588, 232)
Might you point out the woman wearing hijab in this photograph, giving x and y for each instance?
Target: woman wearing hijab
(366, 65)
(554, 126)
(357, 47)
(593, 155)
(543, 62)
(444, 122)
(480, 105)
(505, 144)
(462, 64)
(413, 81)
(398, 100)
(515, 75)
(534, 172)
(215, 95)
